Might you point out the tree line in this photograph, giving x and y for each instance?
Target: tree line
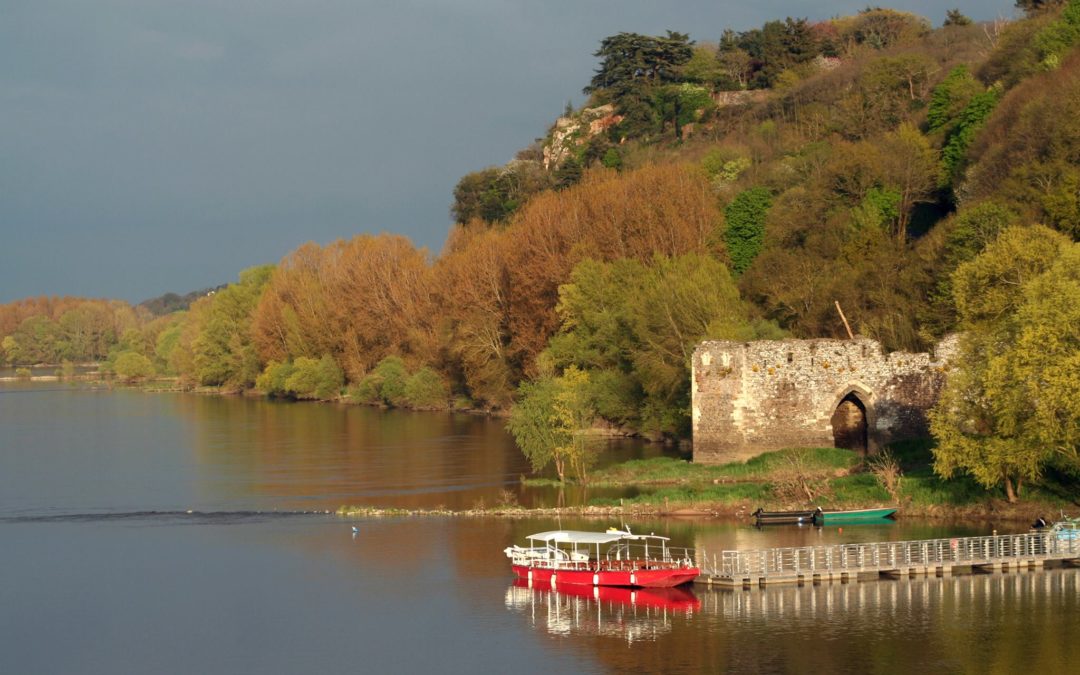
(880, 176)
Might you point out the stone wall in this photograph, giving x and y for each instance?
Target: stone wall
(752, 397)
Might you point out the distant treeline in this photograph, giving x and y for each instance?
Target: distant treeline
(885, 155)
(173, 302)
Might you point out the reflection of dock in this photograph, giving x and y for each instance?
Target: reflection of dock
(859, 562)
(843, 602)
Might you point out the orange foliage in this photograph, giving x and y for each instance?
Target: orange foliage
(474, 299)
(357, 300)
(486, 308)
(664, 210)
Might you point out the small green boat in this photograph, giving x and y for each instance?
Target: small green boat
(822, 517)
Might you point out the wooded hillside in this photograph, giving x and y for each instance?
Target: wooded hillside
(734, 189)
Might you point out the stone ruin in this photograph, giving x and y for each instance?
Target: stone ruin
(753, 397)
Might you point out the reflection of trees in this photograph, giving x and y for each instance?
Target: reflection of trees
(323, 456)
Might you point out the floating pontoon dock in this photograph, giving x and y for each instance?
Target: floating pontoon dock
(861, 562)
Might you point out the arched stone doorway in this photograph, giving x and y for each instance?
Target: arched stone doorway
(849, 424)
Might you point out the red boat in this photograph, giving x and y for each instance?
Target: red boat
(612, 558)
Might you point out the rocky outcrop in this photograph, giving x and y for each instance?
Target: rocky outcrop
(571, 132)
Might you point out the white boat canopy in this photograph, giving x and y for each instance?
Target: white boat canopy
(579, 537)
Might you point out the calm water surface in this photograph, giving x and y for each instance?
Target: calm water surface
(104, 570)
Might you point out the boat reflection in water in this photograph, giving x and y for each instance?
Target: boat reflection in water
(632, 614)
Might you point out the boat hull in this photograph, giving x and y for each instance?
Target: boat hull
(643, 578)
(858, 516)
(662, 598)
(784, 517)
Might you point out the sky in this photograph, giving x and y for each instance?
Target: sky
(149, 146)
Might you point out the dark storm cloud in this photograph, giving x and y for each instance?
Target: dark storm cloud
(150, 146)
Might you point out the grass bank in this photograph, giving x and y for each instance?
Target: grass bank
(827, 477)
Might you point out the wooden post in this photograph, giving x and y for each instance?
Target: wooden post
(844, 319)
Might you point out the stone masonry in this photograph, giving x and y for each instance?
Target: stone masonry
(752, 397)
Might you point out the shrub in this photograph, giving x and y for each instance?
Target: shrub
(384, 384)
(426, 389)
(273, 378)
(131, 366)
(320, 379)
(393, 374)
(367, 390)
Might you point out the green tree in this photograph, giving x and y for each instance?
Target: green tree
(612, 159)
(551, 420)
(949, 98)
(1045, 360)
(681, 104)
(131, 366)
(630, 59)
(703, 67)
(1035, 6)
(532, 423)
(745, 233)
(494, 194)
(632, 67)
(386, 383)
(320, 379)
(879, 209)
(575, 413)
(274, 377)
(36, 340)
(971, 120)
(954, 17)
(223, 352)
(633, 328)
(989, 419)
(426, 389)
(167, 342)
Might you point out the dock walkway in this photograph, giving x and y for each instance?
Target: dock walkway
(859, 562)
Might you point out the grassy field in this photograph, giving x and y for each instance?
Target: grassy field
(827, 477)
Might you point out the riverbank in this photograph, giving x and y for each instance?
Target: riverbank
(1002, 512)
(786, 480)
(831, 478)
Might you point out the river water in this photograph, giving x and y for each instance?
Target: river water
(176, 533)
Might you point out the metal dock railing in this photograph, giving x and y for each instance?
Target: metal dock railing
(844, 562)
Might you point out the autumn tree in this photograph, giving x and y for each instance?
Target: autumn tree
(473, 289)
(357, 300)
